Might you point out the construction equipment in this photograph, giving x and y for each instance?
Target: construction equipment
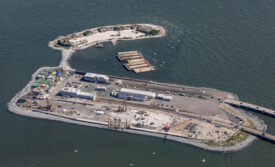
(166, 127)
(48, 105)
(125, 107)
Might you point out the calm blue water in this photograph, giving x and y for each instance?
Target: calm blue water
(227, 45)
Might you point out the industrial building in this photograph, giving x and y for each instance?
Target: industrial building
(74, 92)
(92, 77)
(86, 95)
(68, 91)
(138, 95)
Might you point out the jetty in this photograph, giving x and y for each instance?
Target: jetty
(135, 61)
(250, 107)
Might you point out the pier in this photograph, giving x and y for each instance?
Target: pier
(251, 107)
(135, 61)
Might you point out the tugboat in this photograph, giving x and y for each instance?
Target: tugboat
(99, 45)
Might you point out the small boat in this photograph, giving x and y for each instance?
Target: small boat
(99, 45)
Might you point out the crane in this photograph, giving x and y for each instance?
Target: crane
(48, 105)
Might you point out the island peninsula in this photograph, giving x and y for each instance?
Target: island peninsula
(202, 117)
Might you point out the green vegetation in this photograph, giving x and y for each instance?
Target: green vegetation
(228, 109)
(73, 36)
(86, 33)
(118, 28)
(234, 139)
(251, 124)
(154, 32)
(56, 45)
(101, 29)
(212, 143)
(133, 27)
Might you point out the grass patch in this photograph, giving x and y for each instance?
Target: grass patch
(212, 143)
(154, 32)
(251, 124)
(116, 28)
(237, 137)
(56, 45)
(86, 33)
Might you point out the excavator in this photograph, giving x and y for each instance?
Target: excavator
(166, 127)
(124, 108)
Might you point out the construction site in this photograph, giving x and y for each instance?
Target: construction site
(202, 117)
(122, 103)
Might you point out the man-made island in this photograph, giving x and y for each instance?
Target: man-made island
(201, 117)
(94, 36)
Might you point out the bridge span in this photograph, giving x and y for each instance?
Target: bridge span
(249, 106)
(259, 134)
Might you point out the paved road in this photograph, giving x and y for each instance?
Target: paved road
(250, 107)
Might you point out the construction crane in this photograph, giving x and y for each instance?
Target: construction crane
(48, 105)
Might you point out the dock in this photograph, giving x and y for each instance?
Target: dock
(251, 107)
(134, 61)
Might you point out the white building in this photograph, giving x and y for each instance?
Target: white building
(68, 91)
(96, 77)
(74, 92)
(86, 95)
(100, 88)
(134, 94)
